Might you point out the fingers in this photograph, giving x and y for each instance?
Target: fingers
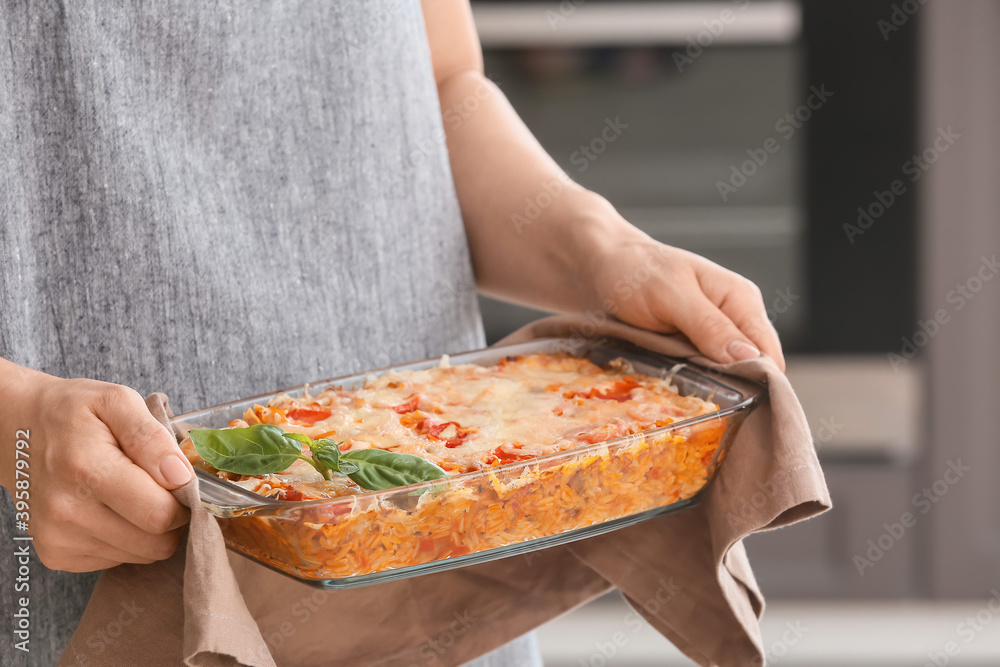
(145, 441)
(712, 331)
(129, 543)
(76, 545)
(66, 562)
(98, 469)
(113, 501)
(745, 307)
(721, 312)
(740, 300)
(61, 545)
(132, 494)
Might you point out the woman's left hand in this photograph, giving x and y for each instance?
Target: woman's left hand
(654, 286)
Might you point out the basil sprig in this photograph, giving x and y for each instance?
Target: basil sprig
(325, 455)
(381, 469)
(265, 448)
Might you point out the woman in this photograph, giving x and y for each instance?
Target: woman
(215, 201)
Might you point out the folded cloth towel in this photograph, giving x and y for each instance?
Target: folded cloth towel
(686, 573)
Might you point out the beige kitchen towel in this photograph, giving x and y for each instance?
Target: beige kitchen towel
(686, 573)
(770, 479)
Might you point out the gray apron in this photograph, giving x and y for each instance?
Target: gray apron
(217, 199)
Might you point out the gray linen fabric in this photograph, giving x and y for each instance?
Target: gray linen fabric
(218, 199)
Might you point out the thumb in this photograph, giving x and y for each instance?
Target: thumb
(142, 438)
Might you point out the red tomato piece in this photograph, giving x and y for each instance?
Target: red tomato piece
(433, 431)
(503, 456)
(620, 391)
(307, 416)
(411, 404)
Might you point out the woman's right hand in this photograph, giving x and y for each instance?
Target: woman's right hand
(100, 468)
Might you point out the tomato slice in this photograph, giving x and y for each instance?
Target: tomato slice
(620, 391)
(307, 416)
(411, 404)
(508, 457)
(433, 431)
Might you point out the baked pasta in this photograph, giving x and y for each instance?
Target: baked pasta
(533, 446)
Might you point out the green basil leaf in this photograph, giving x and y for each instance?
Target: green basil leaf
(254, 450)
(380, 469)
(327, 453)
(326, 443)
(301, 437)
(328, 456)
(348, 468)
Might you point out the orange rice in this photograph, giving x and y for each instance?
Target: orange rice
(527, 502)
(492, 505)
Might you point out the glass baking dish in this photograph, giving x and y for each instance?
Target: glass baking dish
(487, 514)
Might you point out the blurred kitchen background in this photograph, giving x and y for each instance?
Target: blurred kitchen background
(845, 156)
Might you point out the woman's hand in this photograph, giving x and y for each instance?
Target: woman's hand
(654, 286)
(100, 469)
(539, 239)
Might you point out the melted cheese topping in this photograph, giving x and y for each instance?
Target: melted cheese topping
(471, 417)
